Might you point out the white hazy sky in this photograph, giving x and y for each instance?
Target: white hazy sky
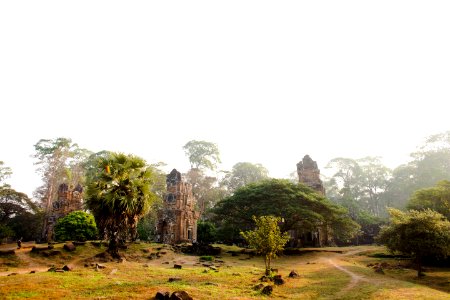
(268, 81)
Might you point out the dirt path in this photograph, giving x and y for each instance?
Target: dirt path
(24, 256)
(354, 278)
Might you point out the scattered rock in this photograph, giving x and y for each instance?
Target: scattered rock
(162, 295)
(213, 268)
(267, 290)
(122, 260)
(51, 253)
(68, 268)
(236, 274)
(37, 249)
(59, 271)
(258, 287)
(69, 247)
(265, 279)
(51, 269)
(12, 274)
(176, 266)
(146, 251)
(180, 295)
(163, 252)
(211, 283)
(78, 243)
(32, 272)
(166, 263)
(294, 274)
(379, 270)
(172, 279)
(145, 265)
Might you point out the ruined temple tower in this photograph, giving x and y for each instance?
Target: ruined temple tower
(177, 221)
(68, 200)
(309, 174)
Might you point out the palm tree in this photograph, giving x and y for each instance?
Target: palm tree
(118, 193)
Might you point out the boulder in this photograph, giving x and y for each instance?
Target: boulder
(176, 266)
(68, 268)
(293, 274)
(172, 279)
(69, 247)
(258, 287)
(180, 295)
(267, 290)
(278, 280)
(162, 295)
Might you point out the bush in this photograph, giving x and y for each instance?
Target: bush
(206, 258)
(206, 232)
(76, 226)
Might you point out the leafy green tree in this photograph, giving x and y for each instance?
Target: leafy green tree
(59, 161)
(202, 154)
(436, 198)
(206, 232)
(429, 164)
(420, 234)
(119, 193)
(76, 226)
(244, 173)
(205, 189)
(5, 172)
(267, 238)
(301, 207)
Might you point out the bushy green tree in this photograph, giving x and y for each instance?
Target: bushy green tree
(119, 193)
(76, 226)
(421, 234)
(436, 198)
(206, 232)
(301, 207)
(266, 238)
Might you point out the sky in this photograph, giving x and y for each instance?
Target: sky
(267, 81)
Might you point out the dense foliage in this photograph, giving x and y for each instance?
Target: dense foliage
(202, 154)
(436, 198)
(76, 226)
(266, 238)
(119, 193)
(302, 209)
(206, 232)
(420, 234)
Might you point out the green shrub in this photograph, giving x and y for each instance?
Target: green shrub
(206, 258)
(76, 226)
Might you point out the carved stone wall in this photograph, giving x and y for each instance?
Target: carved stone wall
(177, 221)
(309, 174)
(68, 200)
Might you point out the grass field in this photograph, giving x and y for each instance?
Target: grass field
(324, 274)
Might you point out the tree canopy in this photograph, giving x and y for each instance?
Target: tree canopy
(436, 198)
(76, 226)
(202, 154)
(244, 173)
(420, 234)
(302, 208)
(119, 193)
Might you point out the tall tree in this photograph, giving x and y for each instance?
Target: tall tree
(202, 154)
(5, 172)
(119, 193)
(420, 234)
(429, 165)
(244, 173)
(59, 161)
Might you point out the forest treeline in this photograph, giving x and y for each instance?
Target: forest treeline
(358, 194)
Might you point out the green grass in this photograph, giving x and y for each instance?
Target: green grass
(140, 278)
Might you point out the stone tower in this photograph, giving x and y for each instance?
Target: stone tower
(309, 174)
(177, 221)
(68, 200)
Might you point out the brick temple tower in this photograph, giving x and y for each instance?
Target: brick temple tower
(177, 221)
(68, 200)
(309, 174)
